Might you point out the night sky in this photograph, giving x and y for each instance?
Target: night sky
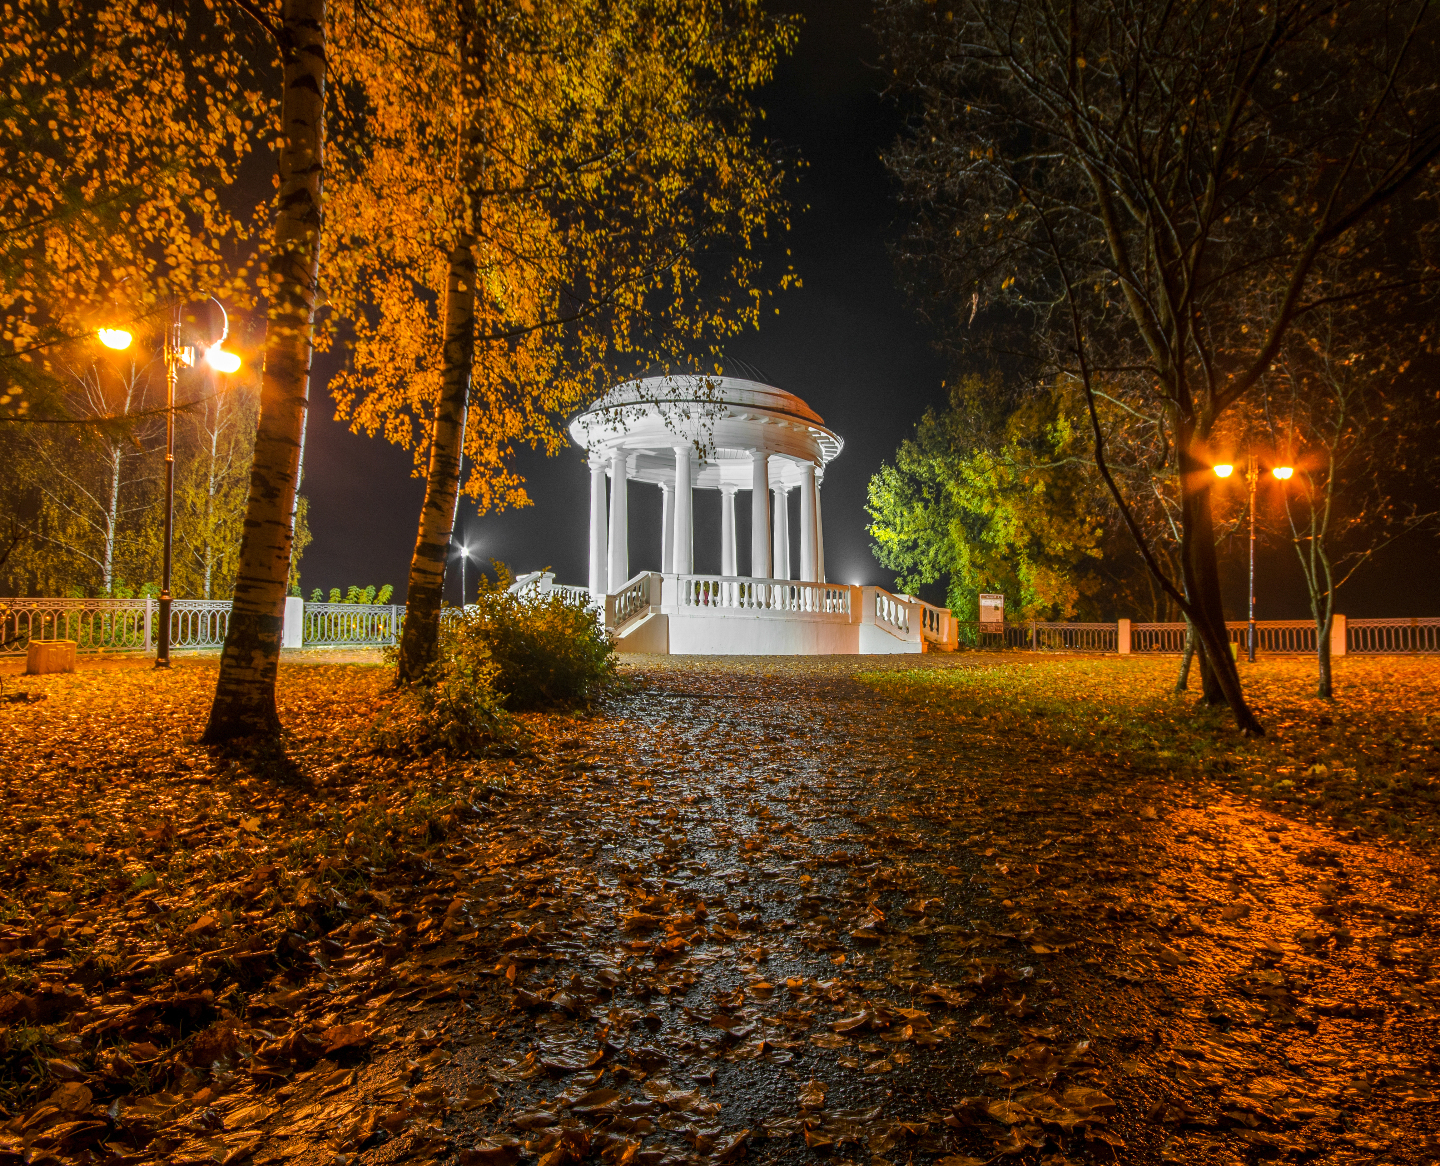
(846, 342)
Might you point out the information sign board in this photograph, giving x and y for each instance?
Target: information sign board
(992, 609)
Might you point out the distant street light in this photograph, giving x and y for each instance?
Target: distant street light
(116, 338)
(1281, 473)
(464, 549)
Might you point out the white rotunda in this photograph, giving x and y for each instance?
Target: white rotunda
(734, 433)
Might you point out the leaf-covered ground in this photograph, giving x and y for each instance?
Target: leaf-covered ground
(1369, 759)
(754, 908)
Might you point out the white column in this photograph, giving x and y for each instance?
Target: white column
(759, 514)
(684, 514)
(727, 531)
(619, 522)
(807, 524)
(781, 552)
(819, 538)
(599, 544)
(667, 529)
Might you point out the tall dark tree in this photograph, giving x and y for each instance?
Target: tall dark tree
(1104, 187)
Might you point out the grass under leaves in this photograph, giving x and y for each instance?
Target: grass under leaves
(1367, 759)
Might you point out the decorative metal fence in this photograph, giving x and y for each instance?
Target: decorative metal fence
(970, 634)
(133, 625)
(1392, 635)
(339, 625)
(1277, 636)
(1157, 637)
(94, 624)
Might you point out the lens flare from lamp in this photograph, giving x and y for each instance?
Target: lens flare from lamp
(1224, 471)
(222, 361)
(1283, 472)
(116, 338)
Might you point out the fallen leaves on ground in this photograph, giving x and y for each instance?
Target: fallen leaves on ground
(1368, 759)
(752, 908)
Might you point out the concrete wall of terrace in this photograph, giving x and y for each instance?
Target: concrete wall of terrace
(721, 432)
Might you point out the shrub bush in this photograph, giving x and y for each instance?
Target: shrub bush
(501, 653)
(549, 650)
(457, 710)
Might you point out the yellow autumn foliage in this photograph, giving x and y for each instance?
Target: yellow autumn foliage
(617, 178)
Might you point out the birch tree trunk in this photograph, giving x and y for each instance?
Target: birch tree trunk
(112, 519)
(426, 584)
(244, 702)
(442, 479)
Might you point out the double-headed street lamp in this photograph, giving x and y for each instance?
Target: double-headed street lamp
(176, 354)
(1281, 473)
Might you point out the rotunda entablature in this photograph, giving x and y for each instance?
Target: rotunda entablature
(733, 418)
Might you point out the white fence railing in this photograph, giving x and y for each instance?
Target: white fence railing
(634, 599)
(786, 595)
(133, 625)
(537, 583)
(892, 612)
(335, 625)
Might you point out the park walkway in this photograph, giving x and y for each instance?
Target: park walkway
(768, 908)
(755, 909)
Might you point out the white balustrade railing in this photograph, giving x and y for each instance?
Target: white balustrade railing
(725, 592)
(892, 613)
(633, 599)
(539, 583)
(937, 624)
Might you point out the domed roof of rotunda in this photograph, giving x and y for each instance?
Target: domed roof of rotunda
(733, 409)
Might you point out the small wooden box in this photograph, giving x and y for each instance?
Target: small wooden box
(50, 656)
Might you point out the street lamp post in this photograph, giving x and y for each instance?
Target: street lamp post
(177, 354)
(1252, 475)
(1250, 631)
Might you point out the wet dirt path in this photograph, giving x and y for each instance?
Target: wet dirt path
(759, 910)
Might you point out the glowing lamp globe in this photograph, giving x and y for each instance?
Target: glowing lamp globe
(116, 338)
(1283, 472)
(220, 360)
(1224, 471)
